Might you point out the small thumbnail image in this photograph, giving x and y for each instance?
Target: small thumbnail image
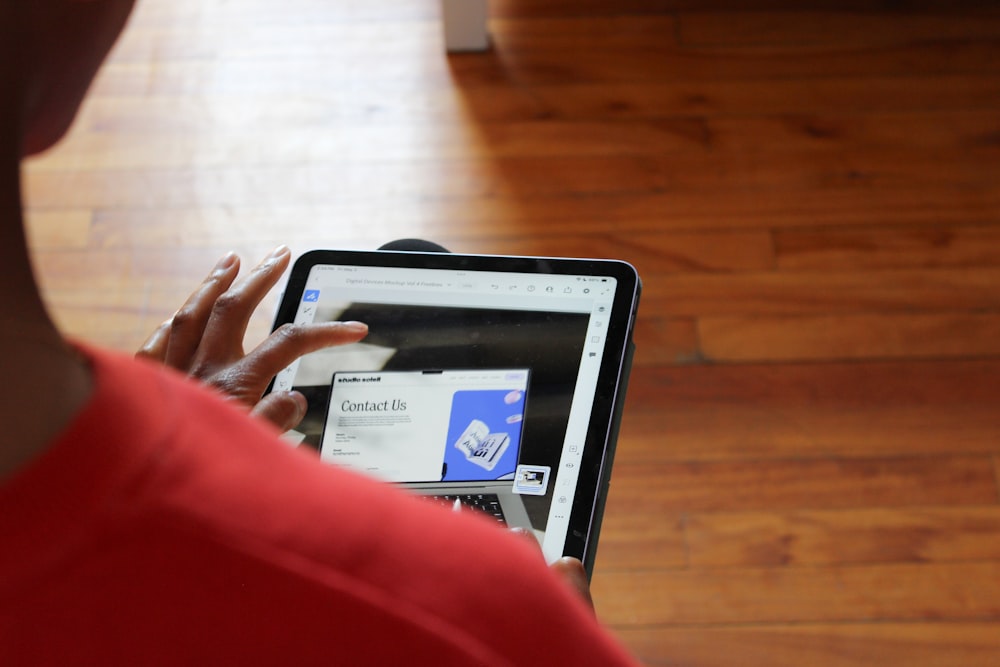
(532, 480)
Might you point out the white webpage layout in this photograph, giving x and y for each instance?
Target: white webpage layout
(394, 424)
(336, 284)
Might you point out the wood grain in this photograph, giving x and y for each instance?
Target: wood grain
(699, 413)
(711, 98)
(809, 468)
(960, 334)
(812, 484)
(887, 247)
(922, 643)
(815, 292)
(808, 29)
(838, 537)
(875, 593)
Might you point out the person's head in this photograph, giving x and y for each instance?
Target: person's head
(49, 53)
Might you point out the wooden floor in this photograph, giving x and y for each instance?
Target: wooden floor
(808, 472)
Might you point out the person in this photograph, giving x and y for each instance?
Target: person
(146, 518)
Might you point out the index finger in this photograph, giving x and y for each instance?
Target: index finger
(288, 343)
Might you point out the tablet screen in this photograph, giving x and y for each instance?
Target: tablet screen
(506, 377)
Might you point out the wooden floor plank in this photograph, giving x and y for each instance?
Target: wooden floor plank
(710, 251)
(615, 32)
(833, 28)
(728, 413)
(887, 247)
(343, 222)
(549, 8)
(500, 102)
(302, 12)
(642, 63)
(873, 593)
(648, 64)
(59, 229)
(666, 488)
(815, 292)
(520, 178)
(632, 539)
(850, 336)
(793, 136)
(538, 8)
(254, 37)
(933, 534)
(666, 340)
(927, 644)
(710, 98)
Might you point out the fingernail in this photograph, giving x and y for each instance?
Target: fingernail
(355, 327)
(226, 262)
(301, 406)
(278, 252)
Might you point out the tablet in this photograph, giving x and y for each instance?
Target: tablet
(489, 382)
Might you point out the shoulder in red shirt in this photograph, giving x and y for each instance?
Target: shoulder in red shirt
(164, 526)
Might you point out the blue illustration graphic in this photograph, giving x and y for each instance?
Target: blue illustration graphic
(311, 295)
(484, 434)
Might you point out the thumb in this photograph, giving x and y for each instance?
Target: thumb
(283, 409)
(573, 573)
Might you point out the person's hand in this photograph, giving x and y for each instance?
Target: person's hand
(205, 339)
(571, 571)
(567, 568)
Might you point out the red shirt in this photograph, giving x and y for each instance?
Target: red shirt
(164, 526)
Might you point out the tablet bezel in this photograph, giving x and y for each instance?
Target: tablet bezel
(598, 452)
